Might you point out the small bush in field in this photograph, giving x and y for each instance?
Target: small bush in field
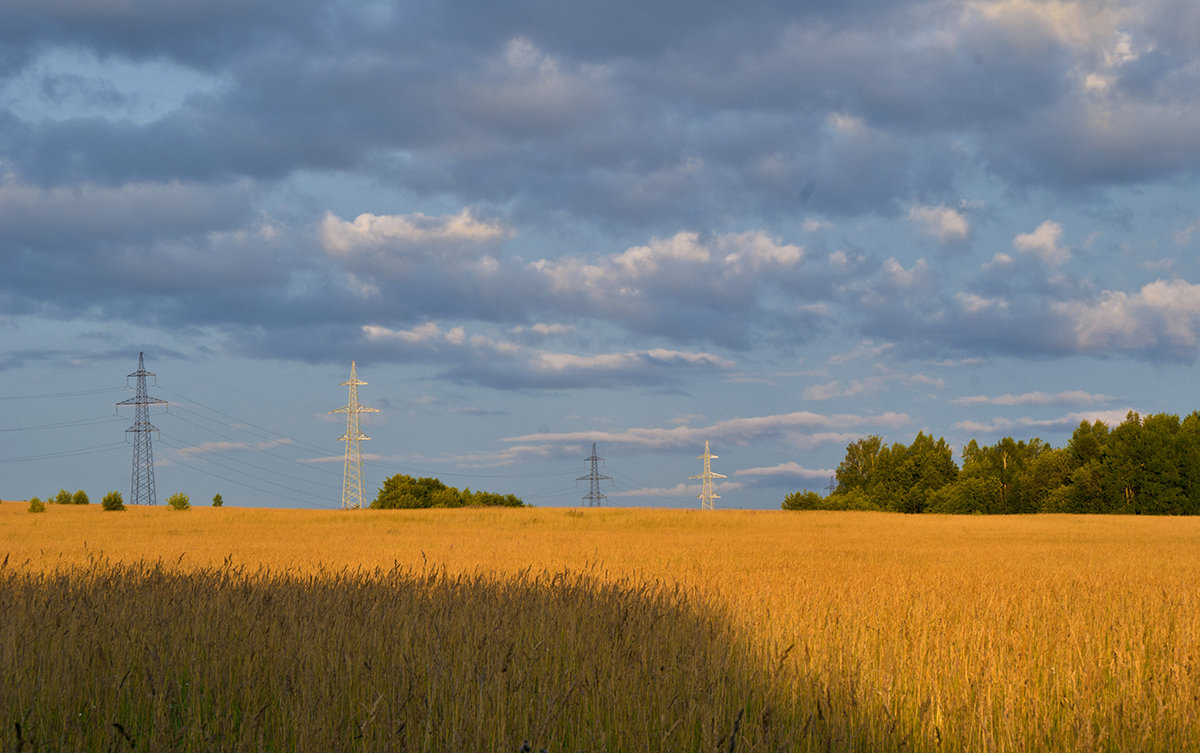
(179, 501)
(113, 501)
(37, 505)
(217, 501)
(63, 498)
(80, 498)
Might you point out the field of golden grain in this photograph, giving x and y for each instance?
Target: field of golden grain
(601, 629)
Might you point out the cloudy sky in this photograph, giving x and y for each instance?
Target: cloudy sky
(537, 225)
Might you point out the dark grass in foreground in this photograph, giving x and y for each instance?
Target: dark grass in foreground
(143, 657)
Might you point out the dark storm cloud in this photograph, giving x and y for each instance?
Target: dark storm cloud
(686, 127)
(203, 33)
(654, 116)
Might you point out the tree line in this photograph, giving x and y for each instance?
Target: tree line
(1144, 466)
(405, 492)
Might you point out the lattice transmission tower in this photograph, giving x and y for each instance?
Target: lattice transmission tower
(707, 495)
(141, 485)
(594, 498)
(352, 472)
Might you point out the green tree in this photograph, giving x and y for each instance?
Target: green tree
(112, 501)
(80, 498)
(1007, 463)
(967, 495)
(1085, 490)
(858, 469)
(179, 501)
(933, 467)
(37, 505)
(217, 501)
(1046, 476)
(1189, 433)
(1123, 466)
(63, 497)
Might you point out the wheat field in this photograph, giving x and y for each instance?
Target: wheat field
(598, 629)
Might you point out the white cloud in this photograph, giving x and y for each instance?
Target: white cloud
(1043, 243)
(225, 446)
(1163, 314)
(867, 385)
(737, 430)
(906, 279)
(1063, 423)
(482, 356)
(404, 231)
(552, 329)
(1184, 236)
(1066, 397)
(974, 304)
(836, 389)
(787, 470)
(1000, 260)
(946, 224)
(681, 489)
(668, 262)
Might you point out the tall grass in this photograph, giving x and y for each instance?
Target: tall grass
(840, 630)
(142, 657)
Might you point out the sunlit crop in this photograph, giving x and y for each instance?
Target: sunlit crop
(596, 630)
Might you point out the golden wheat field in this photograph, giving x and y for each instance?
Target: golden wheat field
(597, 629)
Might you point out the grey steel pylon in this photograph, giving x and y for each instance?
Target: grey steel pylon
(141, 484)
(352, 472)
(594, 498)
(707, 494)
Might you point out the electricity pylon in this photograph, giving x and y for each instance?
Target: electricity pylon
(594, 498)
(352, 472)
(707, 495)
(141, 484)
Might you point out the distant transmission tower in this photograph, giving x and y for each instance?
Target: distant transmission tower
(352, 473)
(594, 498)
(141, 486)
(707, 496)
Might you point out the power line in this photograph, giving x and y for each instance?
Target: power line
(190, 452)
(67, 424)
(49, 395)
(67, 453)
(187, 461)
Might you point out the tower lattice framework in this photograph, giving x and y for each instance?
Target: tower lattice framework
(141, 484)
(352, 471)
(594, 498)
(707, 494)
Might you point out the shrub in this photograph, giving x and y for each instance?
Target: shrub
(112, 501)
(179, 501)
(80, 498)
(37, 505)
(805, 500)
(217, 501)
(63, 497)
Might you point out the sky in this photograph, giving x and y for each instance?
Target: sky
(534, 226)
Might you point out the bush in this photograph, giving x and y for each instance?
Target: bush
(179, 501)
(805, 500)
(112, 501)
(217, 501)
(63, 497)
(37, 505)
(80, 498)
